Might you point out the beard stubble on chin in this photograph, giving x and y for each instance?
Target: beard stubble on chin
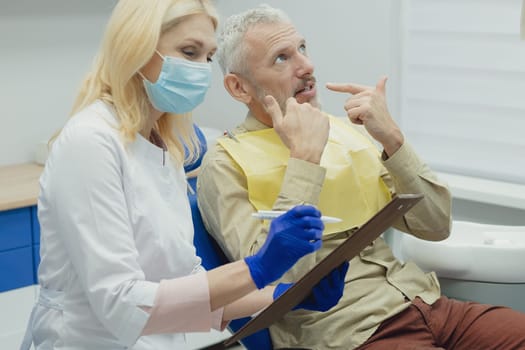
(281, 99)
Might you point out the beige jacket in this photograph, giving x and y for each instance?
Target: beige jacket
(377, 286)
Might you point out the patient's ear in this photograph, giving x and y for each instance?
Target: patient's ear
(237, 87)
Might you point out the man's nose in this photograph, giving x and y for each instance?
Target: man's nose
(304, 66)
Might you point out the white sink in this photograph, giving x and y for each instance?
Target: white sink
(473, 252)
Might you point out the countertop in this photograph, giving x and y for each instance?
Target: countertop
(19, 185)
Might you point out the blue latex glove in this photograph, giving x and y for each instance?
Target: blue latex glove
(292, 235)
(325, 294)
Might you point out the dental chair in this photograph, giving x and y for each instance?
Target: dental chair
(211, 254)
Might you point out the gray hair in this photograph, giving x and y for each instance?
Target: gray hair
(232, 53)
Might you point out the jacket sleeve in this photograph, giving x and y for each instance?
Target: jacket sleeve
(302, 184)
(431, 218)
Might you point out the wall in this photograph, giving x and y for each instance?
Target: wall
(46, 49)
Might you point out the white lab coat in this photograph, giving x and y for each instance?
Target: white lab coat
(114, 222)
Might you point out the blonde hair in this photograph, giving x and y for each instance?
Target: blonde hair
(130, 40)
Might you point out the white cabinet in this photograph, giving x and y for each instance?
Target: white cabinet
(16, 307)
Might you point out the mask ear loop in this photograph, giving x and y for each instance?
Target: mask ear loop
(161, 56)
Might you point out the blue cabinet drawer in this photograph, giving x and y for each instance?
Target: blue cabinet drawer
(15, 229)
(35, 225)
(16, 268)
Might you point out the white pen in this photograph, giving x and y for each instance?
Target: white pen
(272, 214)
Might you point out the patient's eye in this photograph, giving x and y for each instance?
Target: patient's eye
(302, 49)
(281, 58)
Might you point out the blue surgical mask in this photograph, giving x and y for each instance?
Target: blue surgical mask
(181, 85)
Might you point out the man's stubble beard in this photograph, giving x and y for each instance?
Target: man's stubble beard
(261, 94)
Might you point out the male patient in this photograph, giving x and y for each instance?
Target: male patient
(288, 152)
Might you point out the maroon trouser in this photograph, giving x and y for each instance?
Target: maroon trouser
(452, 325)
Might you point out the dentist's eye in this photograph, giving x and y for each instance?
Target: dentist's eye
(189, 53)
(211, 54)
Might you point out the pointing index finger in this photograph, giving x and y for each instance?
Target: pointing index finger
(350, 88)
(381, 85)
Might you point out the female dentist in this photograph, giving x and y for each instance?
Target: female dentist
(118, 268)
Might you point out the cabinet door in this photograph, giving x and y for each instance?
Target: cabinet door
(15, 229)
(16, 251)
(16, 268)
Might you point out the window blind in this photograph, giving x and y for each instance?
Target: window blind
(463, 86)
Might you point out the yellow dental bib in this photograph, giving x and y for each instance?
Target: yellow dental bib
(352, 190)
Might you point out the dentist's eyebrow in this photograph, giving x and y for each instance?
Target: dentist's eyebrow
(194, 41)
(198, 43)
